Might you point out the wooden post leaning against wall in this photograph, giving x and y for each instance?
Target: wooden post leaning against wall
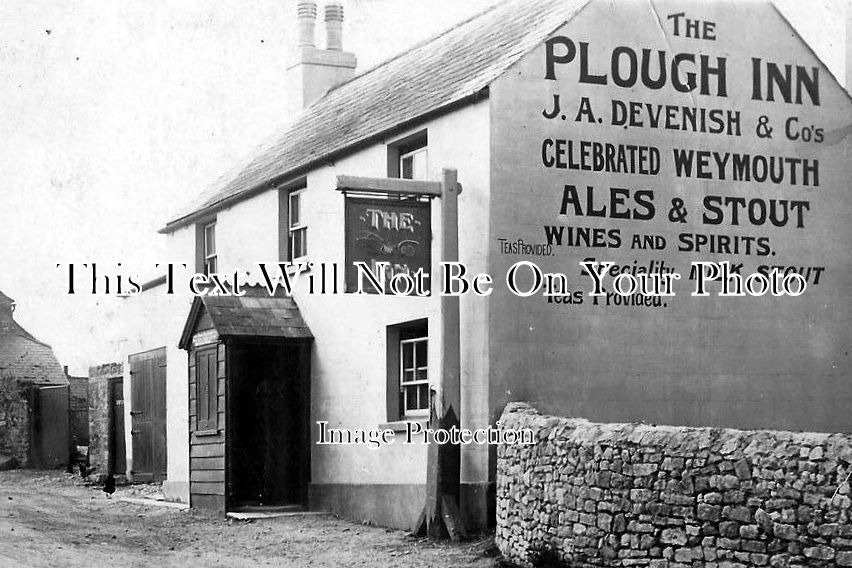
(441, 515)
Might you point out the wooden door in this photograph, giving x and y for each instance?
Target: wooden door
(118, 448)
(51, 427)
(148, 414)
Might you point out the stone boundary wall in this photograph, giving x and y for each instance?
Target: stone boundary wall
(98, 414)
(590, 494)
(15, 420)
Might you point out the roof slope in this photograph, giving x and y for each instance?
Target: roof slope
(256, 314)
(22, 356)
(29, 361)
(432, 76)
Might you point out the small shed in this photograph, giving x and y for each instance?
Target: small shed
(34, 415)
(249, 401)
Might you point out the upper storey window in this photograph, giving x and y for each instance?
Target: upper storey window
(210, 248)
(409, 158)
(296, 226)
(206, 256)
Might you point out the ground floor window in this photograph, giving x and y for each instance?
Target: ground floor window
(414, 375)
(408, 370)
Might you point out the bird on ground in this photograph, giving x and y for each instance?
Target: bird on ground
(109, 486)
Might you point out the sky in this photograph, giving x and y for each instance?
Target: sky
(115, 114)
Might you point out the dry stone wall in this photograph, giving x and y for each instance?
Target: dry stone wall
(99, 414)
(588, 494)
(14, 421)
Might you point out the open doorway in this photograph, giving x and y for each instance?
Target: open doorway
(117, 447)
(268, 436)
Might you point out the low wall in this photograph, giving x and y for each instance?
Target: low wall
(591, 494)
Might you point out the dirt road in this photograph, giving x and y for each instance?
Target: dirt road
(54, 519)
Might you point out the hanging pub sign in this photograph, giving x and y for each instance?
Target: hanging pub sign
(389, 237)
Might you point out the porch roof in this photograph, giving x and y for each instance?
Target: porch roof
(256, 314)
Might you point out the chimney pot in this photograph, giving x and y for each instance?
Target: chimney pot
(306, 14)
(334, 26)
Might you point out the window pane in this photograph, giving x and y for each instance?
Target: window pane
(295, 213)
(407, 376)
(407, 356)
(420, 375)
(209, 240)
(406, 167)
(423, 397)
(421, 353)
(295, 244)
(298, 243)
(420, 165)
(410, 398)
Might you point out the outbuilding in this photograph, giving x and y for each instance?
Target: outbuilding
(34, 397)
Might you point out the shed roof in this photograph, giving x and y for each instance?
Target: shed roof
(23, 357)
(435, 76)
(29, 361)
(256, 314)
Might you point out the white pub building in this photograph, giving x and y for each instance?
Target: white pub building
(649, 135)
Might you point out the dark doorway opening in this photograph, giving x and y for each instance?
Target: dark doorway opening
(268, 412)
(117, 447)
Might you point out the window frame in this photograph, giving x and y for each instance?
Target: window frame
(299, 226)
(200, 244)
(412, 155)
(405, 387)
(208, 257)
(405, 147)
(398, 335)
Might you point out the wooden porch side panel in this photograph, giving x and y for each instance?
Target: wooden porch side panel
(206, 488)
(196, 464)
(207, 447)
(205, 475)
(211, 502)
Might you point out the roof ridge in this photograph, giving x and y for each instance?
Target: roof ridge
(414, 47)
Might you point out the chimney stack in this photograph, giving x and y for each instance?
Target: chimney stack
(334, 26)
(314, 71)
(306, 14)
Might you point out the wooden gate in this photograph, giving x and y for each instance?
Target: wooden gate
(51, 427)
(148, 414)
